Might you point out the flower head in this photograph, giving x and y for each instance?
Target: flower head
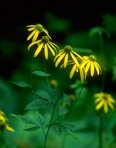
(46, 45)
(90, 63)
(36, 30)
(3, 122)
(67, 54)
(104, 100)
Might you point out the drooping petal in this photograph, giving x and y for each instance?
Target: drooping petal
(58, 55)
(99, 105)
(30, 36)
(52, 51)
(38, 50)
(72, 71)
(84, 63)
(65, 60)
(9, 128)
(111, 105)
(92, 68)
(98, 99)
(30, 29)
(37, 42)
(87, 66)
(35, 36)
(82, 74)
(105, 107)
(59, 59)
(46, 32)
(75, 59)
(31, 26)
(97, 68)
(46, 51)
(97, 65)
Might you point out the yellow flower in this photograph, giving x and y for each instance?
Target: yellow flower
(3, 122)
(67, 54)
(104, 100)
(45, 44)
(77, 69)
(36, 30)
(89, 63)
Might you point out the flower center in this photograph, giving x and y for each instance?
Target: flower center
(92, 58)
(45, 39)
(39, 27)
(68, 48)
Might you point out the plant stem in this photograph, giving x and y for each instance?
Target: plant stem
(50, 123)
(101, 131)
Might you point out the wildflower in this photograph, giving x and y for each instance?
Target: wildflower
(104, 100)
(36, 30)
(67, 54)
(54, 83)
(89, 63)
(77, 69)
(45, 44)
(3, 122)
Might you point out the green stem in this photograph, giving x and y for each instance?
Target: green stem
(50, 123)
(101, 131)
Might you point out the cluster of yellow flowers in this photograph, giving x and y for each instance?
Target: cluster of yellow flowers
(67, 55)
(4, 123)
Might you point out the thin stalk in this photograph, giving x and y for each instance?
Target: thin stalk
(50, 123)
(101, 131)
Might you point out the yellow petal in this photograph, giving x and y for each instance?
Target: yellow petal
(46, 51)
(31, 26)
(75, 60)
(38, 50)
(72, 71)
(51, 49)
(105, 107)
(111, 105)
(46, 33)
(92, 68)
(84, 63)
(65, 60)
(97, 100)
(87, 66)
(82, 74)
(33, 44)
(59, 59)
(30, 29)
(59, 54)
(35, 36)
(9, 128)
(99, 105)
(30, 36)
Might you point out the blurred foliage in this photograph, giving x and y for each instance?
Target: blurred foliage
(81, 118)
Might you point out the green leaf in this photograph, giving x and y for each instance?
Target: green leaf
(21, 84)
(43, 94)
(99, 30)
(33, 117)
(66, 99)
(63, 111)
(32, 128)
(40, 73)
(37, 103)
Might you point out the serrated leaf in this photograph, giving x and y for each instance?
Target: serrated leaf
(66, 99)
(63, 111)
(21, 84)
(32, 128)
(43, 94)
(37, 103)
(40, 73)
